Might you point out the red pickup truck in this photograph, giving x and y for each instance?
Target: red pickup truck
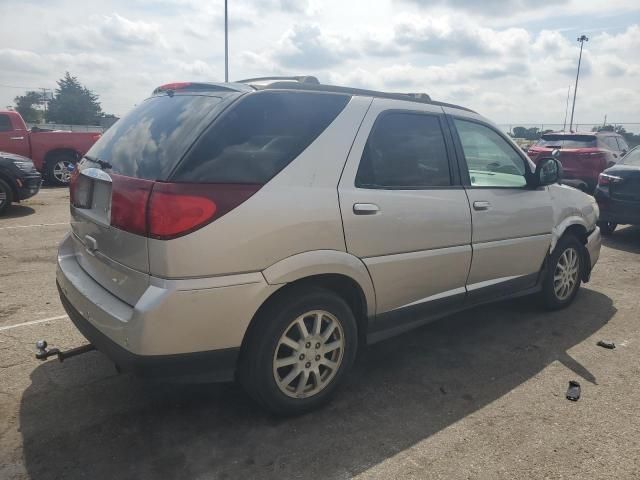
(53, 152)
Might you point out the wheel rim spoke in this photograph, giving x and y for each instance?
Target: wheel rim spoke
(290, 343)
(290, 377)
(286, 361)
(317, 324)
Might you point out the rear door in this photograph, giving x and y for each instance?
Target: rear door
(511, 223)
(405, 213)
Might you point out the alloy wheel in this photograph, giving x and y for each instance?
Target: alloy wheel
(565, 276)
(308, 354)
(62, 171)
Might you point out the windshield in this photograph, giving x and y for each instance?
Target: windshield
(567, 141)
(152, 138)
(632, 158)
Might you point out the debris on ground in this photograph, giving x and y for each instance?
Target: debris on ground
(573, 392)
(606, 344)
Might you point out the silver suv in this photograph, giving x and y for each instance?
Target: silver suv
(265, 230)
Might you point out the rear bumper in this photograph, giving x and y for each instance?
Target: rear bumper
(212, 366)
(177, 328)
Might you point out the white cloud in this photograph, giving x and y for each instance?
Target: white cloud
(490, 56)
(110, 32)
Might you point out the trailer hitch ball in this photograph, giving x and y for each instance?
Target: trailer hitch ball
(43, 353)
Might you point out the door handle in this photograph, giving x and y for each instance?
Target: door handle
(16, 138)
(365, 208)
(481, 205)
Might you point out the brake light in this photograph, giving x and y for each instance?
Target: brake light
(129, 198)
(605, 179)
(176, 209)
(172, 86)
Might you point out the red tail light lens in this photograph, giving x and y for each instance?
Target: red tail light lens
(129, 198)
(169, 210)
(176, 209)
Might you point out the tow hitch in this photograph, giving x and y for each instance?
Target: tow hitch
(43, 353)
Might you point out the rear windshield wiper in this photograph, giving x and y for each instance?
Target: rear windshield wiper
(103, 164)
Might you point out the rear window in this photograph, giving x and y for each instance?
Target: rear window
(568, 141)
(259, 136)
(151, 139)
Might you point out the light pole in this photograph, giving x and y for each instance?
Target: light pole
(566, 110)
(581, 39)
(226, 43)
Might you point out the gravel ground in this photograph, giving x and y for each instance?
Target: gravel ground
(476, 395)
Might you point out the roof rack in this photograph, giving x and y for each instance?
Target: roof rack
(295, 78)
(319, 87)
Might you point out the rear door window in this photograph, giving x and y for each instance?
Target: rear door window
(259, 136)
(404, 150)
(150, 140)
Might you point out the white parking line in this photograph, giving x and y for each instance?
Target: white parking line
(36, 225)
(33, 322)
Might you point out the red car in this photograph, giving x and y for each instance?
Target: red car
(53, 152)
(583, 155)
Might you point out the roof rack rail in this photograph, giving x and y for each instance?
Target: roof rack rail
(296, 78)
(320, 87)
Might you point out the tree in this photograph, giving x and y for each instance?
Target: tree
(25, 105)
(73, 103)
(631, 138)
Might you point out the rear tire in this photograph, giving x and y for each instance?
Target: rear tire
(6, 196)
(280, 354)
(57, 170)
(607, 228)
(564, 273)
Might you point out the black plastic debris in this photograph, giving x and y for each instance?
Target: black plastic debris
(573, 392)
(606, 344)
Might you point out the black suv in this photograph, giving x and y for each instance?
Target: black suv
(19, 179)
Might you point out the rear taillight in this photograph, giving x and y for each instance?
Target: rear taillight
(129, 198)
(168, 210)
(605, 179)
(176, 209)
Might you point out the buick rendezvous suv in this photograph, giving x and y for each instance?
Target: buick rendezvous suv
(264, 230)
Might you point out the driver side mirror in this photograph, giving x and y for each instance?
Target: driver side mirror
(548, 172)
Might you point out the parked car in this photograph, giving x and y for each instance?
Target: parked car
(54, 153)
(19, 180)
(584, 156)
(618, 193)
(266, 232)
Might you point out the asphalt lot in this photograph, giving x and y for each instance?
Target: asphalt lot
(476, 395)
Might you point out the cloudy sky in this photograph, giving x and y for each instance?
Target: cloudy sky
(510, 60)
